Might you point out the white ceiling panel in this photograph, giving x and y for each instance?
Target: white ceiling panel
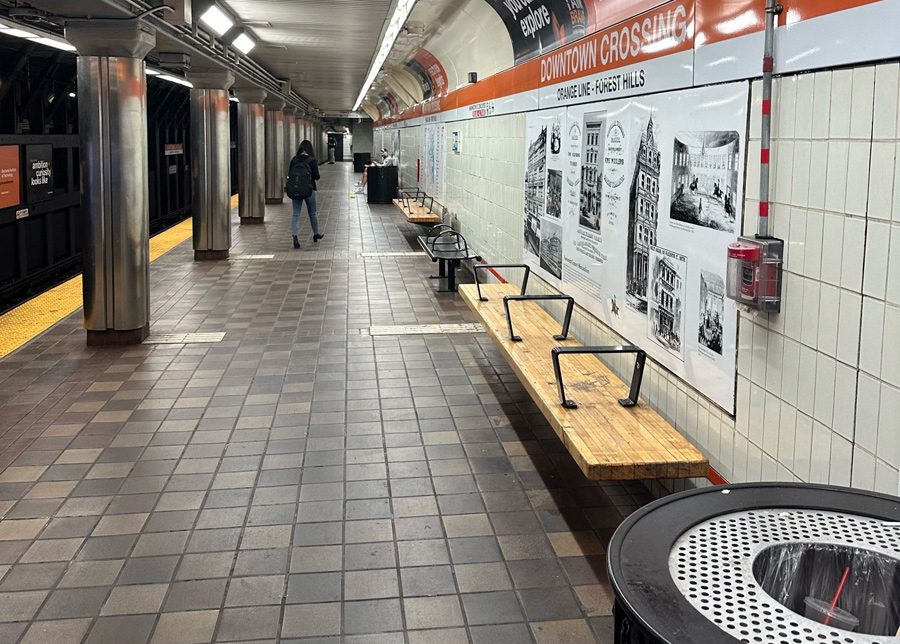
(324, 47)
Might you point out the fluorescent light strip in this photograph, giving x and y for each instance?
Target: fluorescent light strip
(217, 20)
(401, 13)
(50, 42)
(244, 43)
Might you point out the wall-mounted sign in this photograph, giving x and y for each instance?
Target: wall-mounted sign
(455, 143)
(174, 149)
(21, 214)
(39, 172)
(10, 186)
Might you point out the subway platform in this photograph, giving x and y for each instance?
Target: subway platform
(300, 480)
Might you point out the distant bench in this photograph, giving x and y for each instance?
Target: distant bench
(448, 248)
(412, 202)
(609, 432)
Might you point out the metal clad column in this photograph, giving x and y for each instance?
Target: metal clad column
(112, 117)
(211, 163)
(274, 151)
(290, 137)
(251, 155)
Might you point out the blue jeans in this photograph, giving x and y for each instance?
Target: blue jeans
(310, 208)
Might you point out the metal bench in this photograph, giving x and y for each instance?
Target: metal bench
(449, 249)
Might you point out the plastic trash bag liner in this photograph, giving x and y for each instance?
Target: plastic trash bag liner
(798, 574)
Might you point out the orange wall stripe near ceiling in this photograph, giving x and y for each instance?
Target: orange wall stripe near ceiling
(714, 21)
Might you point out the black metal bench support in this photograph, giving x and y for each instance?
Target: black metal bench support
(531, 298)
(636, 377)
(478, 267)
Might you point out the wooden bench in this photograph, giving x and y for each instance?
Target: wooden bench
(411, 203)
(609, 432)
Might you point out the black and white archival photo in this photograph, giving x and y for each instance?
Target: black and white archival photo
(705, 175)
(552, 248)
(666, 312)
(712, 310)
(643, 218)
(554, 193)
(593, 147)
(535, 190)
(556, 138)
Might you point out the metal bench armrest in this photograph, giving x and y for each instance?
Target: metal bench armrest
(636, 377)
(438, 228)
(444, 233)
(530, 298)
(478, 267)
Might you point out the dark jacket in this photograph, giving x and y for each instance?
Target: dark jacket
(313, 166)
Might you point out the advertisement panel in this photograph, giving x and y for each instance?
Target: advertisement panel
(38, 172)
(10, 183)
(538, 26)
(652, 190)
(430, 73)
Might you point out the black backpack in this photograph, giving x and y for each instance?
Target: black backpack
(299, 183)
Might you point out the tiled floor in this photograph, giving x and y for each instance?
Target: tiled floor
(300, 481)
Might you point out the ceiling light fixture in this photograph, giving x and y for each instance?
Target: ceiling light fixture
(244, 43)
(217, 20)
(152, 72)
(175, 79)
(50, 42)
(401, 13)
(18, 33)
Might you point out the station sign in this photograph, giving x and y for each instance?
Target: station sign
(10, 185)
(39, 172)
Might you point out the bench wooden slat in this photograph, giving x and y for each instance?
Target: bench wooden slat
(608, 441)
(417, 213)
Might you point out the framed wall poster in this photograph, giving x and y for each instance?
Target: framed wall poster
(38, 173)
(652, 196)
(10, 178)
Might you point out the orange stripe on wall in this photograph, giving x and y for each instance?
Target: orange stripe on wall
(720, 20)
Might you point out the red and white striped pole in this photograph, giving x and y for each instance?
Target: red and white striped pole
(772, 9)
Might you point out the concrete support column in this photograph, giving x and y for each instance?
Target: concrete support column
(290, 137)
(251, 155)
(274, 151)
(298, 131)
(211, 163)
(115, 199)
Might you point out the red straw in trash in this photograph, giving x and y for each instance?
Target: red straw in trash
(837, 595)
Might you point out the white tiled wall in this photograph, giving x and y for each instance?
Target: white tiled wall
(409, 156)
(818, 392)
(485, 184)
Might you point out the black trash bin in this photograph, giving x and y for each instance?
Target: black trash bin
(758, 564)
(361, 160)
(382, 183)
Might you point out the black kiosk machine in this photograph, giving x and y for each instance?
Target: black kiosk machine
(382, 183)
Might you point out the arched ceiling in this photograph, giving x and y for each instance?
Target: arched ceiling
(460, 36)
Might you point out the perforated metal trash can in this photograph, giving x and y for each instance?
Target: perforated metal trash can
(736, 564)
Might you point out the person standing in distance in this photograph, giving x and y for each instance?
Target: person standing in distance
(301, 187)
(332, 146)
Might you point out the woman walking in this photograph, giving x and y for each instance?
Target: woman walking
(301, 187)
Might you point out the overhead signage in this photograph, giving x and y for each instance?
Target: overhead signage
(39, 172)
(10, 184)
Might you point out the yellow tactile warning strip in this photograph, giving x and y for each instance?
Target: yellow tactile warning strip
(35, 316)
